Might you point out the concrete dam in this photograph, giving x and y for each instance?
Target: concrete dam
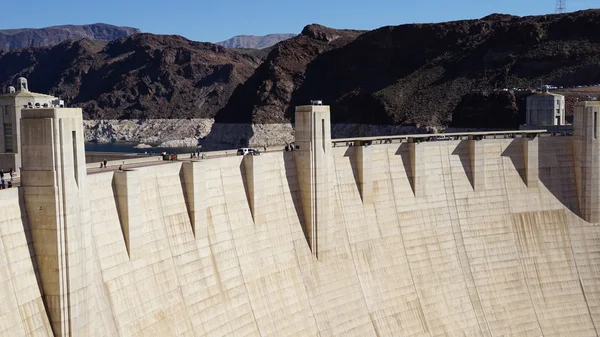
(483, 235)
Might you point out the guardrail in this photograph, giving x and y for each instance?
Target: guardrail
(436, 137)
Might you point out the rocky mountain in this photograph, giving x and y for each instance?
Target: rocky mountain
(420, 73)
(491, 109)
(253, 41)
(140, 76)
(425, 74)
(39, 37)
(267, 95)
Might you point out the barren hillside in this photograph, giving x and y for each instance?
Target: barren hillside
(409, 74)
(141, 76)
(421, 73)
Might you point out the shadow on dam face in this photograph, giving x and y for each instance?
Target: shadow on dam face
(464, 155)
(514, 151)
(30, 247)
(351, 154)
(404, 152)
(557, 173)
(246, 187)
(291, 177)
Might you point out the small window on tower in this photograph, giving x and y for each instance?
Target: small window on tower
(595, 124)
(323, 133)
(75, 159)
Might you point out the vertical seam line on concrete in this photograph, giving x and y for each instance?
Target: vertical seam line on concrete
(287, 213)
(306, 291)
(521, 266)
(109, 298)
(339, 197)
(57, 208)
(234, 247)
(167, 223)
(405, 252)
(571, 244)
(209, 224)
(468, 267)
(11, 282)
(579, 278)
(314, 186)
(64, 230)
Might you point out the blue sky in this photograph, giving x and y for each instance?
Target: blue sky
(218, 20)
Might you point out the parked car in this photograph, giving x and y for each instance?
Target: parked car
(248, 151)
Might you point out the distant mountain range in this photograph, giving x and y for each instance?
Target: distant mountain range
(253, 41)
(49, 36)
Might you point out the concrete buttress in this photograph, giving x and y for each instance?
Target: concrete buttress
(253, 181)
(54, 187)
(587, 159)
(417, 168)
(477, 160)
(313, 163)
(365, 177)
(531, 158)
(127, 190)
(194, 187)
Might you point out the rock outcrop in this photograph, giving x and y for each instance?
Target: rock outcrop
(141, 76)
(496, 109)
(268, 95)
(418, 73)
(253, 41)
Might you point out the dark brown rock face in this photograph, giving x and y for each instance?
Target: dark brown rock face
(41, 37)
(268, 96)
(497, 109)
(419, 73)
(141, 76)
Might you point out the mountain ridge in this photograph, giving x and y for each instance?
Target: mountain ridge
(254, 41)
(140, 76)
(420, 73)
(11, 39)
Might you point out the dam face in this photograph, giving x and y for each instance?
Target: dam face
(448, 238)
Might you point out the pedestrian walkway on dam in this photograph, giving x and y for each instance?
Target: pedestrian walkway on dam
(182, 157)
(114, 165)
(338, 142)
